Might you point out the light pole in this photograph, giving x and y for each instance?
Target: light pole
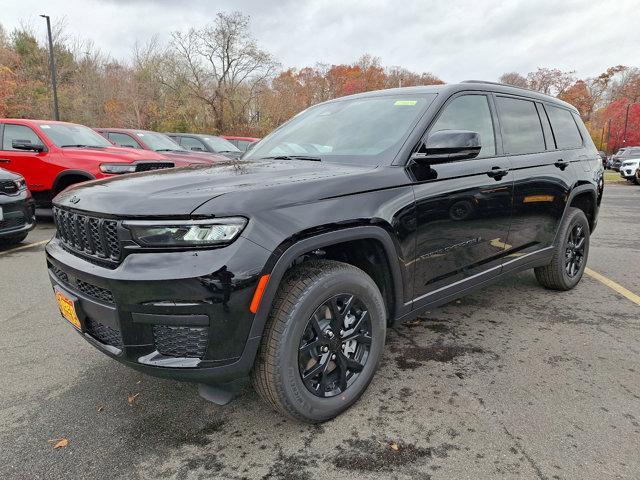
(626, 120)
(52, 67)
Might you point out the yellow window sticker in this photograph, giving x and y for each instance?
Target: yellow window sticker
(406, 102)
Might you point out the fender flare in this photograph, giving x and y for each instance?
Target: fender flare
(588, 188)
(67, 173)
(282, 262)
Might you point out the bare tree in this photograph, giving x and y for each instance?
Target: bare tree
(515, 79)
(219, 61)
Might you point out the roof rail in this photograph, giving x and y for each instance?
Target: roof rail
(507, 85)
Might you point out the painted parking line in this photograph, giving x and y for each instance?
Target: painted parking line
(23, 247)
(613, 285)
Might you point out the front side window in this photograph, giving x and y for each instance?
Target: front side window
(191, 143)
(72, 135)
(564, 128)
(158, 142)
(470, 112)
(352, 130)
(123, 140)
(18, 132)
(521, 127)
(221, 145)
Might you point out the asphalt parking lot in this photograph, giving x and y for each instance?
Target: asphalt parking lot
(511, 382)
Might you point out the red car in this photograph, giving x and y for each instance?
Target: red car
(53, 155)
(158, 142)
(241, 142)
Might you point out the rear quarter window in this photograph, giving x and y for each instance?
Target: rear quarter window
(565, 130)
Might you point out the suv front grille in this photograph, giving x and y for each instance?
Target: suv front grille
(89, 236)
(8, 187)
(184, 342)
(87, 288)
(13, 222)
(148, 166)
(104, 333)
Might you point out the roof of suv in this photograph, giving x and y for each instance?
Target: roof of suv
(451, 88)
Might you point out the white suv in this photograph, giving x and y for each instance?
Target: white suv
(630, 163)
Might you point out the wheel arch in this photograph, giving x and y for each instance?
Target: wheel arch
(66, 175)
(282, 262)
(584, 197)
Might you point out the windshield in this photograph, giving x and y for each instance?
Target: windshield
(158, 141)
(220, 144)
(363, 129)
(71, 135)
(631, 152)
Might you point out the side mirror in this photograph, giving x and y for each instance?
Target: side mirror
(449, 146)
(27, 145)
(197, 149)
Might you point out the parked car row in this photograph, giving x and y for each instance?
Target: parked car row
(48, 156)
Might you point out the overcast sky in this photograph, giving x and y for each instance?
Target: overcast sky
(455, 40)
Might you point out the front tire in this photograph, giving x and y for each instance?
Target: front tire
(323, 341)
(570, 255)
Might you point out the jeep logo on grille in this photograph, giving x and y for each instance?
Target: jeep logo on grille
(75, 199)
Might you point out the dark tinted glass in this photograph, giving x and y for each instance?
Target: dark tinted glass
(521, 128)
(469, 112)
(564, 127)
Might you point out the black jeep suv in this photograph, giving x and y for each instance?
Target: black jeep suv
(288, 265)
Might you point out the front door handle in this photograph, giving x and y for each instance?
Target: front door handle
(5, 160)
(497, 172)
(561, 164)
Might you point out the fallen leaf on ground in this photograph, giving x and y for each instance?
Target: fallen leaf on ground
(132, 398)
(59, 442)
(394, 446)
(413, 323)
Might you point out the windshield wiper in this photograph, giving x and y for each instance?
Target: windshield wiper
(79, 145)
(293, 157)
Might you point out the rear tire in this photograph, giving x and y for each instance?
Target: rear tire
(570, 254)
(297, 334)
(13, 240)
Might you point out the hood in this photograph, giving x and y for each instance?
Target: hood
(7, 175)
(187, 158)
(112, 154)
(180, 191)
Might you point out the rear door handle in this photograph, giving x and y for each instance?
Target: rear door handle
(5, 160)
(497, 172)
(561, 164)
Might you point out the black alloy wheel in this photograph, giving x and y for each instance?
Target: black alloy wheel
(574, 252)
(335, 345)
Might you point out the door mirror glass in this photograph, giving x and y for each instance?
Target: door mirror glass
(27, 145)
(449, 146)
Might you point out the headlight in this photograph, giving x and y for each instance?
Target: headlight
(21, 184)
(188, 233)
(117, 168)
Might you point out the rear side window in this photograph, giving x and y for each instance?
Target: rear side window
(18, 132)
(521, 127)
(469, 112)
(564, 128)
(123, 140)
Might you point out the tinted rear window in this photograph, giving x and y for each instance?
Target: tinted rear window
(521, 127)
(564, 128)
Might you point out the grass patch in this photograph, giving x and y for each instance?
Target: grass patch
(611, 176)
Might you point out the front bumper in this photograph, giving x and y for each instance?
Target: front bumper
(18, 214)
(628, 172)
(181, 315)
